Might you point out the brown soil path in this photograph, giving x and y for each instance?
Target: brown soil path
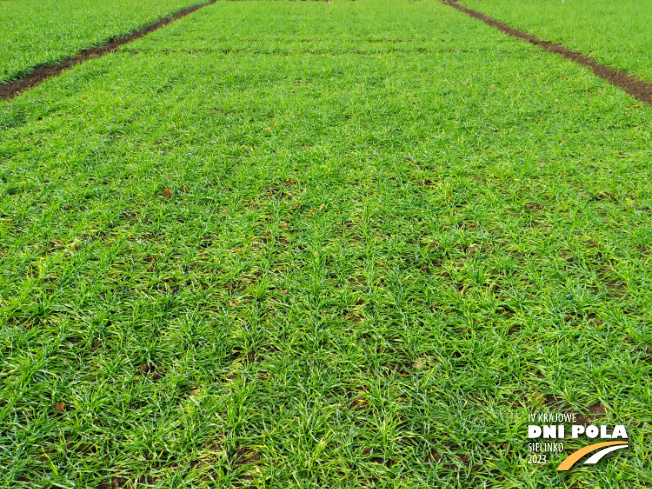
(639, 89)
(41, 73)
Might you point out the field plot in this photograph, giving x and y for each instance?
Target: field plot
(310, 244)
(617, 34)
(45, 31)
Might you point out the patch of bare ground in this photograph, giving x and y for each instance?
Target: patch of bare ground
(42, 73)
(637, 88)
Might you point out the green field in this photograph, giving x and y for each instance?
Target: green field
(44, 31)
(310, 245)
(616, 33)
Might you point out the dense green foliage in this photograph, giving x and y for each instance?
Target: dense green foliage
(344, 245)
(36, 32)
(616, 33)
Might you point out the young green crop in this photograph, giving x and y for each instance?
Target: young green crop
(45, 31)
(311, 244)
(617, 34)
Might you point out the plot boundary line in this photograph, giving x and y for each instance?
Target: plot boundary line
(636, 87)
(43, 72)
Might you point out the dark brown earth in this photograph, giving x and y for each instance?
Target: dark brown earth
(639, 89)
(41, 73)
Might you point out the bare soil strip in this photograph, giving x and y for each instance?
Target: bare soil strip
(639, 89)
(41, 73)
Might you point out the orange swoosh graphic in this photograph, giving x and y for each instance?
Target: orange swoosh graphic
(569, 461)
